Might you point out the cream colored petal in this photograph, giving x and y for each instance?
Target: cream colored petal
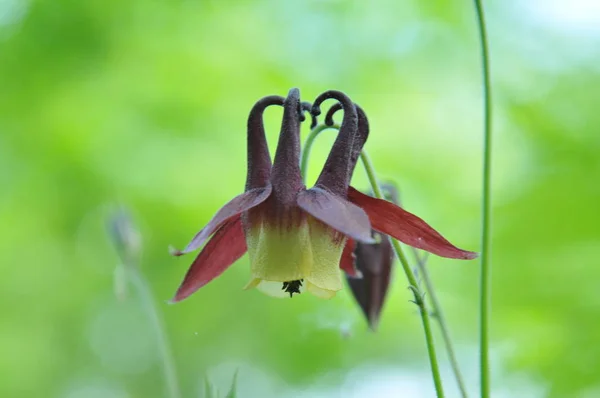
(252, 284)
(308, 252)
(325, 272)
(274, 289)
(321, 293)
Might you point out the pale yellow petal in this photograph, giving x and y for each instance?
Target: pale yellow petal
(326, 252)
(279, 254)
(274, 289)
(309, 251)
(252, 284)
(317, 291)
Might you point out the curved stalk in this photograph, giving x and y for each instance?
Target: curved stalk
(314, 133)
(441, 318)
(485, 273)
(412, 280)
(127, 241)
(147, 300)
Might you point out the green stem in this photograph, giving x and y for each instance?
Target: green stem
(441, 318)
(147, 300)
(127, 241)
(412, 280)
(314, 133)
(485, 274)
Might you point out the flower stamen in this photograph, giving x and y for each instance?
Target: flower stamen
(292, 287)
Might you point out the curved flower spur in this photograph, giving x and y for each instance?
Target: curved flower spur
(297, 238)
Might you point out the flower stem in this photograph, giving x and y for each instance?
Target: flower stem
(441, 318)
(414, 285)
(485, 273)
(314, 133)
(145, 295)
(127, 242)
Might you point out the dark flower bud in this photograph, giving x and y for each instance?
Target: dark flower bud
(374, 263)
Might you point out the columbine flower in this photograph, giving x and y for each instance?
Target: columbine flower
(297, 238)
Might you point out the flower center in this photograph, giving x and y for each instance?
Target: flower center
(292, 287)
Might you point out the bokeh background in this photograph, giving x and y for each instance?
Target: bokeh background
(144, 103)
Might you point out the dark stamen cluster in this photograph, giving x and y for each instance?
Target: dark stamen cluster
(292, 287)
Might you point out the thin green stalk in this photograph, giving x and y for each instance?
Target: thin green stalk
(412, 280)
(485, 275)
(147, 300)
(314, 133)
(441, 318)
(127, 242)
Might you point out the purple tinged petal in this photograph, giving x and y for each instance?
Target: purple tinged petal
(336, 173)
(285, 174)
(259, 159)
(233, 208)
(360, 139)
(361, 136)
(336, 212)
(396, 222)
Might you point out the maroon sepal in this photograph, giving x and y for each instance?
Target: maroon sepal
(226, 246)
(232, 209)
(396, 222)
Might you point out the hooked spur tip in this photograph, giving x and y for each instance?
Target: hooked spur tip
(316, 110)
(307, 107)
(329, 117)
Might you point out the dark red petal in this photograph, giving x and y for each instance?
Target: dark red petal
(233, 208)
(336, 212)
(347, 260)
(392, 220)
(223, 249)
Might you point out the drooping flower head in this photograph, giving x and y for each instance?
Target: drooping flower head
(298, 238)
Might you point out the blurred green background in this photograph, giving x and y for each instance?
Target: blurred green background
(144, 103)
